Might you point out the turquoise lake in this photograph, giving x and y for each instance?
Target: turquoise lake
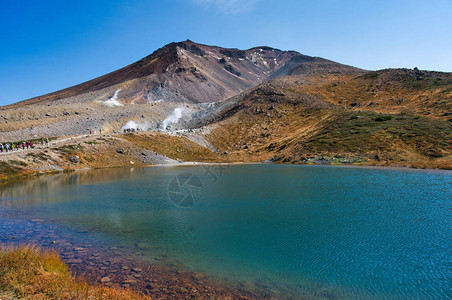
(352, 232)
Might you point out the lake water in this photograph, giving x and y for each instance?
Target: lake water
(315, 231)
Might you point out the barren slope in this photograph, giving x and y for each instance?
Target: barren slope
(183, 71)
(190, 72)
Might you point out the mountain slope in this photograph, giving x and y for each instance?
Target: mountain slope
(290, 120)
(190, 72)
(424, 93)
(308, 65)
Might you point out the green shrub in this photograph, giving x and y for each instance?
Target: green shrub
(383, 118)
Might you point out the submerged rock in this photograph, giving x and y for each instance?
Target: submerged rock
(143, 246)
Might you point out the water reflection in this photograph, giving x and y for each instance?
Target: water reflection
(40, 189)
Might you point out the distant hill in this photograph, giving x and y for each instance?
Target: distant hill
(385, 117)
(308, 65)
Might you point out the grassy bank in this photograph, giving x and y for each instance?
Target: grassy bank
(177, 148)
(28, 272)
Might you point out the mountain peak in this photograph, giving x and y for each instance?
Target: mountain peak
(187, 71)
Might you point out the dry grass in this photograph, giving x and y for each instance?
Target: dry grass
(13, 170)
(29, 272)
(388, 91)
(289, 121)
(173, 147)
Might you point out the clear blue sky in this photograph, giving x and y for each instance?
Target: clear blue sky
(47, 45)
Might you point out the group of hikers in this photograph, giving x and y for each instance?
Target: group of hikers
(126, 130)
(7, 147)
(94, 132)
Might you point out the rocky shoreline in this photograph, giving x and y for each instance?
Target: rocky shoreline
(118, 265)
(75, 153)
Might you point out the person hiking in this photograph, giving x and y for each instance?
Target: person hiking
(1, 148)
(7, 147)
(23, 145)
(31, 145)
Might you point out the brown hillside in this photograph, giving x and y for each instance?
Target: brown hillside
(413, 92)
(295, 119)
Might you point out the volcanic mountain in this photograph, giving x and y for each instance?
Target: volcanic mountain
(196, 102)
(193, 73)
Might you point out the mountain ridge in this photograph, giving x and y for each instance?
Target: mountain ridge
(215, 74)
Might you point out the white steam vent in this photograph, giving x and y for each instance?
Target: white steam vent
(113, 101)
(173, 117)
(135, 126)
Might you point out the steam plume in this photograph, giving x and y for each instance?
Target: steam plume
(113, 101)
(133, 125)
(173, 117)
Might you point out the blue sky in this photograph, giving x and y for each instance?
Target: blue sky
(49, 45)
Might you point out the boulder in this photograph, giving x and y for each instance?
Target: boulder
(105, 279)
(74, 159)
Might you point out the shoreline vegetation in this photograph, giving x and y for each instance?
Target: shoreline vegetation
(30, 272)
